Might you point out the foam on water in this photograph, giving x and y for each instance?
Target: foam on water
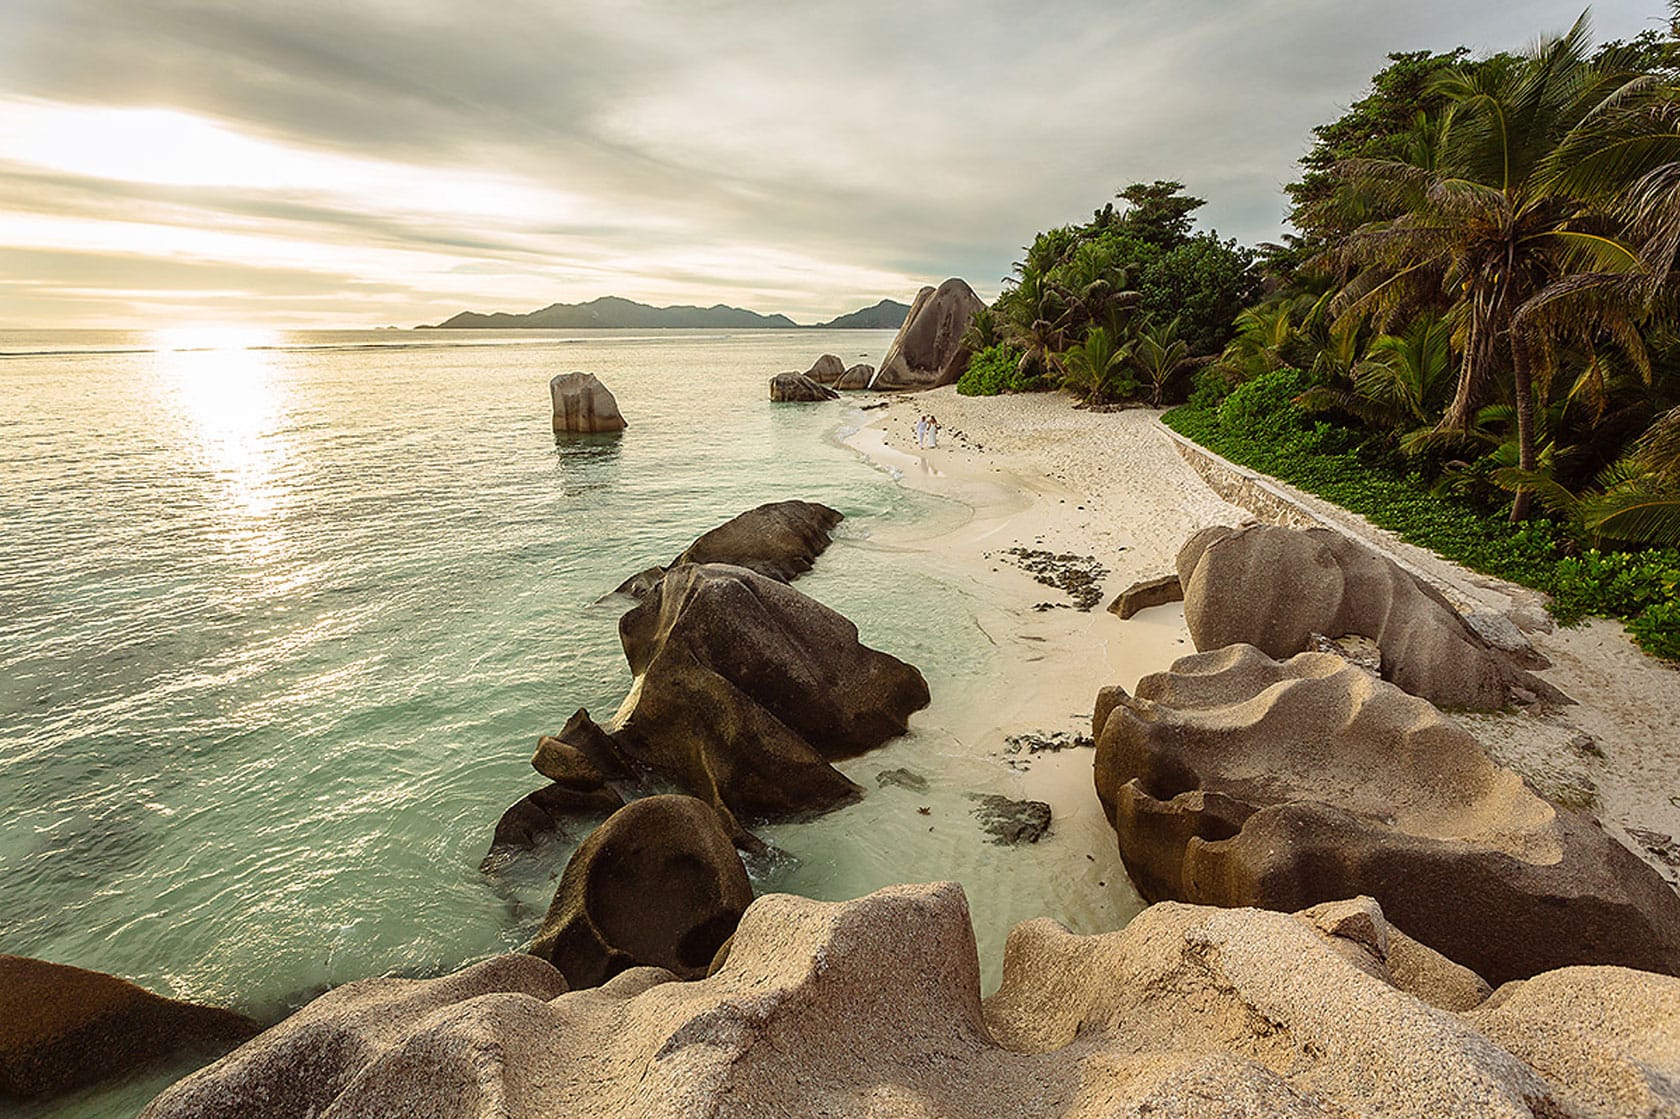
(280, 625)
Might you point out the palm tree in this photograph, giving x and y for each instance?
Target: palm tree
(1096, 367)
(1160, 354)
(1483, 234)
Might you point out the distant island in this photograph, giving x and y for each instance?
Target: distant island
(610, 312)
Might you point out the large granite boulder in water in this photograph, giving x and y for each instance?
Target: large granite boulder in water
(1274, 588)
(781, 540)
(857, 377)
(66, 1027)
(797, 388)
(583, 405)
(658, 885)
(871, 1009)
(928, 351)
(1235, 779)
(746, 689)
(826, 370)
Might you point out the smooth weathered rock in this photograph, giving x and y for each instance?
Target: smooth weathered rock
(827, 370)
(928, 351)
(871, 1009)
(903, 778)
(1274, 588)
(583, 405)
(856, 377)
(65, 1027)
(1147, 593)
(746, 690)
(313, 1065)
(553, 809)
(658, 885)
(1235, 779)
(779, 539)
(797, 388)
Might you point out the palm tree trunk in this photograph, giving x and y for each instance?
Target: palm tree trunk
(1524, 385)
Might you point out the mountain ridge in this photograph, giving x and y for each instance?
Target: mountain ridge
(610, 312)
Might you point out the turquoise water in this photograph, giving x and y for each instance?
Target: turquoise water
(279, 627)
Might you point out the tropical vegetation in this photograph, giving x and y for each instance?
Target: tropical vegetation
(1473, 336)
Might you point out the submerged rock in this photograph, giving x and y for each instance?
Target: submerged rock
(1274, 588)
(746, 690)
(928, 351)
(658, 885)
(1235, 779)
(871, 1009)
(903, 778)
(1011, 822)
(583, 405)
(798, 388)
(779, 539)
(63, 1028)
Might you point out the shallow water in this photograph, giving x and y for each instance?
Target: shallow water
(280, 626)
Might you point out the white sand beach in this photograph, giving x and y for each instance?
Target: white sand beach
(1039, 474)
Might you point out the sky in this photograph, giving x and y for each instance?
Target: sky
(351, 163)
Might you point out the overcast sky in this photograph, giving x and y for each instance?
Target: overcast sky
(362, 162)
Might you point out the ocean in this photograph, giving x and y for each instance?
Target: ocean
(283, 616)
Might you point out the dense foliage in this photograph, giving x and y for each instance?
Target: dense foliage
(1085, 296)
(1473, 337)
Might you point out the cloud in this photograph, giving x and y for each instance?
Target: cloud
(799, 158)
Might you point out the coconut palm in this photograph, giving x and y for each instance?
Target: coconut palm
(1516, 265)
(1160, 355)
(1097, 368)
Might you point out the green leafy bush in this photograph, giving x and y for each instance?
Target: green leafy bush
(993, 371)
(1258, 425)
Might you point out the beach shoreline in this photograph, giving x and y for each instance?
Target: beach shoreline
(1038, 473)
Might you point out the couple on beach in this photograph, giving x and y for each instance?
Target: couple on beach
(927, 432)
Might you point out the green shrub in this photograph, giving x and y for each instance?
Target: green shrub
(993, 371)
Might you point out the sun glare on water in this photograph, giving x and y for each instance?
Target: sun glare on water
(220, 381)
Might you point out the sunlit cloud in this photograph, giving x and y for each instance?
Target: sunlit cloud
(324, 163)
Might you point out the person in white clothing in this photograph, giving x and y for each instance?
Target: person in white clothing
(932, 432)
(921, 431)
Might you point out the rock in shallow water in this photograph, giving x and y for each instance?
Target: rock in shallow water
(65, 1027)
(583, 405)
(872, 1009)
(1011, 822)
(1235, 779)
(746, 690)
(780, 539)
(796, 388)
(658, 885)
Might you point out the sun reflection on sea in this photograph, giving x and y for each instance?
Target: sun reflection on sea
(221, 381)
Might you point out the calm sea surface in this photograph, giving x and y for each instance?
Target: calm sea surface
(281, 618)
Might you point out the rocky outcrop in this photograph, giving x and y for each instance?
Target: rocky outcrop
(551, 811)
(1235, 779)
(658, 885)
(781, 540)
(1147, 593)
(871, 1009)
(381, 1047)
(796, 388)
(746, 689)
(857, 377)
(826, 370)
(1275, 588)
(928, 351)
(65, 1027)
(583, 405)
